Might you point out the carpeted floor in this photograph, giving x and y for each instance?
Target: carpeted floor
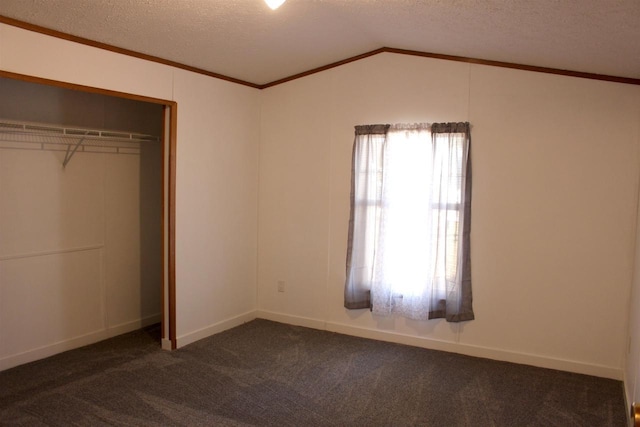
(269, 374)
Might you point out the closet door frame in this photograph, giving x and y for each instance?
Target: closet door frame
(168, 139)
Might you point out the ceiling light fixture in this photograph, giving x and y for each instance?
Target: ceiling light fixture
(274, 4)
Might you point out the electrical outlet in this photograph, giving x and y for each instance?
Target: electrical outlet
(280, 285)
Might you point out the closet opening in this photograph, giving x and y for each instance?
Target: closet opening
(87, 216)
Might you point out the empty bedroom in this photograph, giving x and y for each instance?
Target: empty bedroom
(319, 212)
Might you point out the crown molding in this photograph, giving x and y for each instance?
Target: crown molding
(478, 61)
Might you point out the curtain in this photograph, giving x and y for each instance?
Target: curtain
(366, 188)
(408, 243)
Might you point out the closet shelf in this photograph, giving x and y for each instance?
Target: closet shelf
(37, 136)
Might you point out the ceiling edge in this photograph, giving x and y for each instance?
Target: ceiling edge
(116, 49)
(533, 68)
(546, 70)
(323, 68)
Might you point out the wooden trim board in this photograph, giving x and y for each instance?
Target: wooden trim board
(479, 61)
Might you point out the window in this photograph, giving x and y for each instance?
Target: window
(408, 247)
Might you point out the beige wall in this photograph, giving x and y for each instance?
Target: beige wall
(217, 155)
(555, 182)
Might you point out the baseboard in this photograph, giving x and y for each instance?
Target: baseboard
(470, 350)
(76, 342)
(628, 397)
(307, 322)
(479, 351)
(123, 328)
(223, 325)
(448, 346)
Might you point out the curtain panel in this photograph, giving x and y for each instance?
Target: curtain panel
(409, 226)
(366, 187)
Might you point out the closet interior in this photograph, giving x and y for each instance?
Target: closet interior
(81, 187)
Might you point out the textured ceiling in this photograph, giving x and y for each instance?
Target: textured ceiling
(246, 40)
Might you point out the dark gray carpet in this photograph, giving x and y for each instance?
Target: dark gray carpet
(270, 374)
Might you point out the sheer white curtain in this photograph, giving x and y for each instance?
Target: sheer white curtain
(407, 251)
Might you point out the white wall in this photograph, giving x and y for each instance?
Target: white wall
(71, 248)
(555, 183)
(632, 366)
(216, 204)
(216, 173)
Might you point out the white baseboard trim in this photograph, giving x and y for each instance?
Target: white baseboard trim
(467, 349)
(166, 344)
(479, 351)
(14, 360)
(448, 346)
(123, 328)
(307, 322)
(223, 325)
(627, 384)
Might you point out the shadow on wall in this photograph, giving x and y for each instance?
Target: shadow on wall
(151, 265)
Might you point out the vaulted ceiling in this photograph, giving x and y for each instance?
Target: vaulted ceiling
(245, 40)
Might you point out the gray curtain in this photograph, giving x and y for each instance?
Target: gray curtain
(460, 308)
(366, 160)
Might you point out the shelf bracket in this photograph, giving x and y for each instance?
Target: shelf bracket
(68, 156)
